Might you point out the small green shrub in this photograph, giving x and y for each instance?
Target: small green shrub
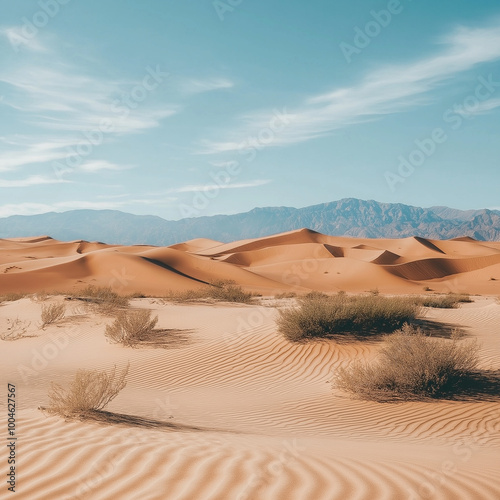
(412, 365)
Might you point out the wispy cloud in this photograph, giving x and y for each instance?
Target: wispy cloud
(34, 180)
(63, 99)
(97, 165)
(482, 108)
(33, 150)
(30, 208)
(390, 89)
(18, 39)
(194, 86)
(69, 105)
(210, 187)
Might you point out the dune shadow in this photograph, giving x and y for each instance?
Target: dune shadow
(111, 418)
(480, 386)
(438, 328)
(172, 269)
(376, 335)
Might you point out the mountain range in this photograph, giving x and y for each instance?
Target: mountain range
(346, 217)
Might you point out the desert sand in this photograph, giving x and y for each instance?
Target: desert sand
(234, 411)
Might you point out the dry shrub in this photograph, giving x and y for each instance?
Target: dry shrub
(51, 313)
(412, 365)
(130, 328)
(448, 301)
(40, 296)
(12, 296)
(16, 329)
(229, 291)
(103, 299)
(285, 295)
(222, 290)
(322, 316)
(90, 391)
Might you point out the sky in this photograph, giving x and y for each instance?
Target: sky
(201, 107)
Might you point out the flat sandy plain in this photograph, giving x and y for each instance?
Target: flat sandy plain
(231, 410)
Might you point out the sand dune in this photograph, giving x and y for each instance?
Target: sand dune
(234, 411)
(300, 260)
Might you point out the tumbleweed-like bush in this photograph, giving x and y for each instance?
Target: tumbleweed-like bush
(412, 365)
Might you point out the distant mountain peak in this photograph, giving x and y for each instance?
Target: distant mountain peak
(346, 217)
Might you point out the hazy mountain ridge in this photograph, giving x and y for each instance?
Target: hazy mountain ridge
(347, 217)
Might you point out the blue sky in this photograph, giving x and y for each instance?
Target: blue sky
(200, 107)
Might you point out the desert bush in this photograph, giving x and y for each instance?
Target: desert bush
(448, 301)
(51, 313)
(229, 291)
(132, 327)
(103, 299)
(222, 290)
(314, 295)
(40, 296)
(90, 391)
(12, 296)
(412, 365)
(319, 316)
(285, 295)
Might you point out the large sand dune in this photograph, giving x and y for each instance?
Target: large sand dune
(233, 411)
(298, 260)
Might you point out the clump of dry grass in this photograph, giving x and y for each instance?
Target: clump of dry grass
(12, 296)
(412, 365)
(221, 290)
(102, 299)
(285, 295)
(40, 296)
(90, 391)
(16, 329)
(448, 301)
(51, 313)
(132, 327)
(323, 316)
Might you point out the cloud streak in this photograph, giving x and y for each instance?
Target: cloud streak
(211, 187)
(34, 180)
(194, 86)
(391, 89)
